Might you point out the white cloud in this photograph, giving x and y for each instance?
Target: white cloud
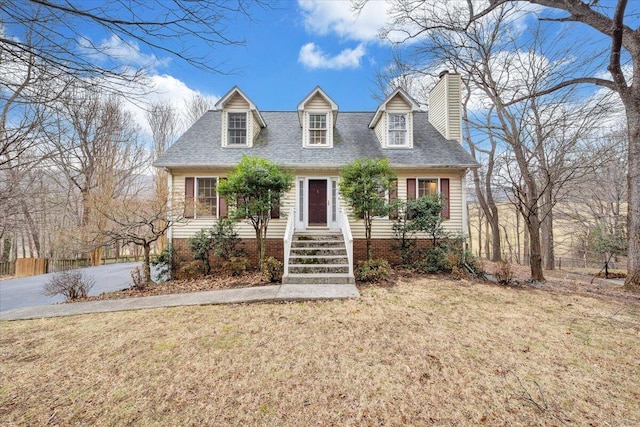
(165, 89)
(311, 56)
(127, 53)
(338, 17)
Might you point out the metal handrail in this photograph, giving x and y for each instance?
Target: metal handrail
(343, 221)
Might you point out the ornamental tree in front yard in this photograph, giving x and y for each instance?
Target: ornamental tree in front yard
(254, 188)
(363, 184)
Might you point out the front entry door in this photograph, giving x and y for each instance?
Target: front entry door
(317, 202)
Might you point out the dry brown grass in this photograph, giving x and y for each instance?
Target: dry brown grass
(424, 352)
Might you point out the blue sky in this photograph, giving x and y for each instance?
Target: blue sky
(290, 48)
(285, 56)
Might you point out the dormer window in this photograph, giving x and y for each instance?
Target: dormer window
(393, 120)
(397, 130)
(241, 122)
(317, 129)
(317, 114)
(237, 128)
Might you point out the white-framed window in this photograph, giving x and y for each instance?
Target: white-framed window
(426, 186)
(317, 128)
(398, 130)
(236, 128)
(206, 197)
(436, 187)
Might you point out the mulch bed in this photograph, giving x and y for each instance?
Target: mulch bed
(209, 283)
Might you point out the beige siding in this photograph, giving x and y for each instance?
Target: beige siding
(397, 104)
(454, 113)
(254, 131)
(236, 102)
(382, 228)
(381, 130)
(317, 102)
(437, 107)
(189, 227)
(444, 107)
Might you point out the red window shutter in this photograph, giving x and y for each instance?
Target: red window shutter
(275, 210)
(411, 188)
(393, 196)
(189, 200)
(223, 210)
(446, 203)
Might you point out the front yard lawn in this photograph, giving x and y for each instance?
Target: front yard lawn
(428, 351)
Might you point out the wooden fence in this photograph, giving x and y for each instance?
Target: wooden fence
(25, 267)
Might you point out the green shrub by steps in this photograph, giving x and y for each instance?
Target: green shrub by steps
(373, 270)
(272, 269)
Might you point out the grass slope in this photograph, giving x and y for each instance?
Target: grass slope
(424, 352)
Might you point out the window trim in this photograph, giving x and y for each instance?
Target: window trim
(407, 143)
(328, 142)
(438, 180)
(423, 178)
(195, 197)
(246, 128)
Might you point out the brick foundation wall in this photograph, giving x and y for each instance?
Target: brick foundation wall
(382, 248)
(274, 248)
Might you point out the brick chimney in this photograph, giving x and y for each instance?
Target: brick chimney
(445, 106)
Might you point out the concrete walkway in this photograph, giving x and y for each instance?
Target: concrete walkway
(226, 296)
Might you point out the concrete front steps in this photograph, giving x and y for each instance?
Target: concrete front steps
(318, 258)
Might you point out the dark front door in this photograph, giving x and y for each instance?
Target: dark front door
(317, 202)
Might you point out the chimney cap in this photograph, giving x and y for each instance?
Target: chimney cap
(443, 73)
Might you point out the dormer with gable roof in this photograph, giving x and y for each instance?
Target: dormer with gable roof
(241, 119)
(393, 120)
(317, 114)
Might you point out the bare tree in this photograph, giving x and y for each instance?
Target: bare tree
(624, 51)
(98, 152)
(139, 221)
(195, 107)
(60, 44)
(512, 73)
(163, 120)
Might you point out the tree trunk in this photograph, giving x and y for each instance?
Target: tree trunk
(518, 259)
(546, 228)
(487, 248)
(535, 262)
(479, 233)
(147, 263)
(526, 256)
(496, 243)
(367, 235)
(632, 107)
(259, 246)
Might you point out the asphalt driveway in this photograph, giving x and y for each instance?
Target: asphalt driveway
(29, 291)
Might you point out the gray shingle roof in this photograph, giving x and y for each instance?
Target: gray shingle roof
(281, 143)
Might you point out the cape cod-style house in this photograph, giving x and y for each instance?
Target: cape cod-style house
(315, 141)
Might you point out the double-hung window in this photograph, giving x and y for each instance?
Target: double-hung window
(207, 196)
(427, 187)
(237, 129)
(318, 129)
(397, 130)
